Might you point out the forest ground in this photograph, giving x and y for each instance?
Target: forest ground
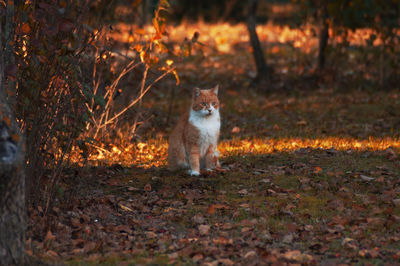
(311, 169)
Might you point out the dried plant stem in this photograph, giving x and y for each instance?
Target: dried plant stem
(139, 97)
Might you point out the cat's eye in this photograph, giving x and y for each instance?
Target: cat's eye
(204, 103)
(214, 103)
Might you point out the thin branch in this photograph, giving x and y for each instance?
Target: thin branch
(139, 97)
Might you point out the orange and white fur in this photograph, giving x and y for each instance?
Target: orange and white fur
(193, 142)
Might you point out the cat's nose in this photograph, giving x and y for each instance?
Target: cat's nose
(209, 110)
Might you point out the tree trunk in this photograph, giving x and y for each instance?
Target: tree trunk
(9, 60)
(12, 181)
(323, 36)
(262, 69)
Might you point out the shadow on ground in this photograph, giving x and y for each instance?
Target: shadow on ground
(306, 206)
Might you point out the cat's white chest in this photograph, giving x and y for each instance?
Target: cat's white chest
(208, 127)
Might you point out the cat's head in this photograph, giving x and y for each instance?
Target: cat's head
(205, 102)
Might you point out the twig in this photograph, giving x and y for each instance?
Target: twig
(137, 99)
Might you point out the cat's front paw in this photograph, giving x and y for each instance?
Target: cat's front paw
(194, 173)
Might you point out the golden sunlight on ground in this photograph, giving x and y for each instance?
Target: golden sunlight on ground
(154, 152)
(224, 36)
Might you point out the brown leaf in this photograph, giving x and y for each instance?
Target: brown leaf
(317, 170)
(49, 236)
(288, 238)
(51, 254)
(211, 209)
(369, 253)
(391, 154)
(78, 251)
(222, 241)
(147, 187)
(396, 202)
(243, 192)
(349, 243)
(150, 234)
(174, 255)
(235, 130)
(291, 227)
(276, 127)
(226, 226)
(204, 229)
(250, 254)
(198, 218)
(296, 255)
(75, 222)
(221, 206)
(197, 257)
(226, 262)
(89, 246)
(302, 123)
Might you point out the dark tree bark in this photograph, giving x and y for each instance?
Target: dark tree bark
(262, 68)
(323, 36)
(12, 181)
(146, 15)
(9, 60)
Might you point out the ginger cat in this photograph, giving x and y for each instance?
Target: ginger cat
(193, 142)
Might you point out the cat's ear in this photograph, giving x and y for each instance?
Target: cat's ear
(215, 89)
(196, 92)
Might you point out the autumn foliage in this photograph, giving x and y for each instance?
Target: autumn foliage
(68, 77)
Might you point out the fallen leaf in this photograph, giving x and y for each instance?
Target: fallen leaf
(49, 236)
(89, 246)
(302, 123)
(211, 209)
(243, 192)
(204, 229)
(75, 222)
(173, 255)
(222, 241)
(250, 254)
(197, 257)
(125, 208)
(288, 238)
(369, 253)
(51, 254)
(235, 130)
(296, 255)
(366, 178)
(147, 187)
(317, 170)
(391, 154)
(226, 262)
(198, 218)
(396, 202)
(150, 234)
(349, 243)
